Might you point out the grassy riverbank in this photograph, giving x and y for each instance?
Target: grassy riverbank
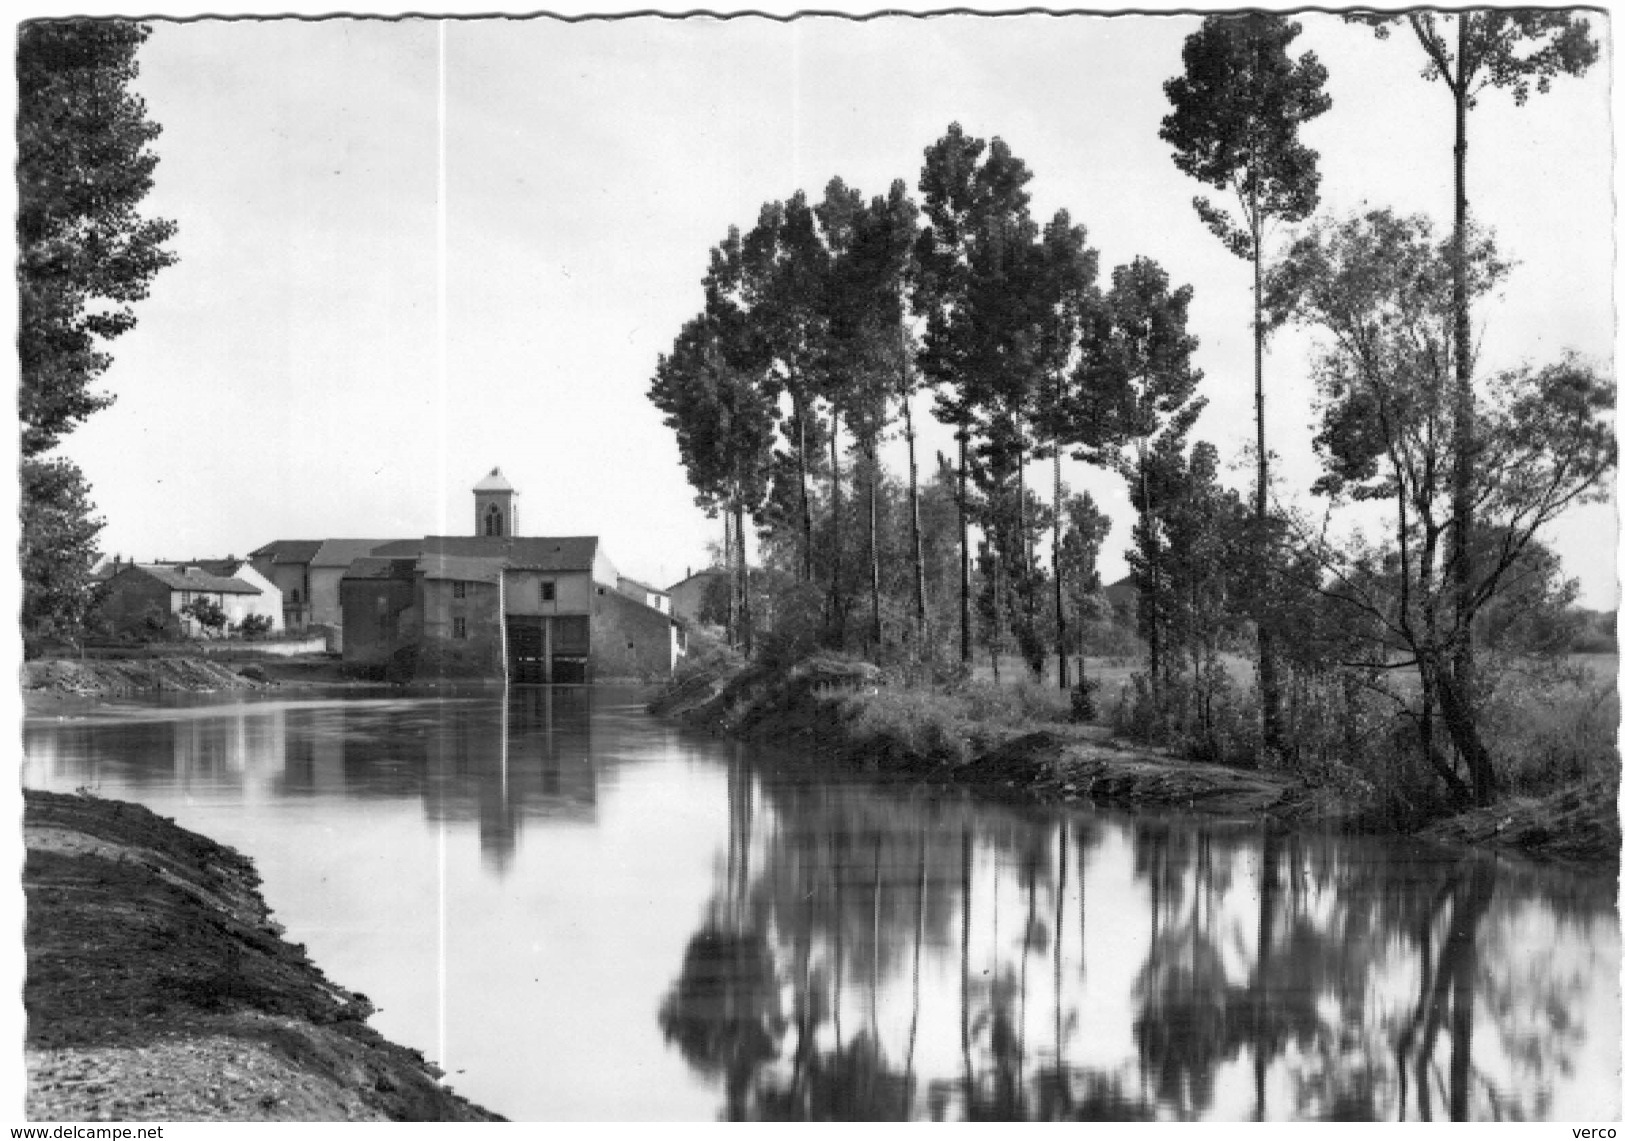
(159, 988)
(1019, 740)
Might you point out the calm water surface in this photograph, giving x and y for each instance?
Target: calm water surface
(583, 912)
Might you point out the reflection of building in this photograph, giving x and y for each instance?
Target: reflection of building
(527, 759)
(532, 762)
(493, 604)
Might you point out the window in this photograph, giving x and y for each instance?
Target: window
(459, 589)
(493, 520)
(549, 592)
(295, 596)
(459, 628)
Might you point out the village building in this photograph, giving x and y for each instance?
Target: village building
(644, 593)
(492, 604)
(688, 597)
(149, 598)
(308, 573)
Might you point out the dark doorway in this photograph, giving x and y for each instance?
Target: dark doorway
(527, 651)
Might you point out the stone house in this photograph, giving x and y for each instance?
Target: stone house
(688, 597)
(144, 598)
(644, 593)
(308, 572)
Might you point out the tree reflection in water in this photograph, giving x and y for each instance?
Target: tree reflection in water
(875, 955)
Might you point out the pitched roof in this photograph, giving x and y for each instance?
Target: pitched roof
(705, 572)
(573, 553)
(343, 552)
(369, 567)
(289, 550)
(460, 568)
(496, 481)
(189, 578)
(626, 580)
(225, 568)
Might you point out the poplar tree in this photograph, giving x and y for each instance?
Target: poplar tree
(1134, 386)
(1237, 111)
(975, 265)
(723, 417)
(85, 256)
(1518, 50)
(1067, 292)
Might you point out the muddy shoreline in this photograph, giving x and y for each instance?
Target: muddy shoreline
(159, 988)
(817, 706)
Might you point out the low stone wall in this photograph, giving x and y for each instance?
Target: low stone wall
(316, 645)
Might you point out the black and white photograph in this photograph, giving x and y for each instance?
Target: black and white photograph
(908, 564)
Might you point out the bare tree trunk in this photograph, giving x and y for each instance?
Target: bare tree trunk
(964, 549)
(837, 607)
(874, 546)
(1055, 568)
(1464, 683)
(733, 581)
(802, 411)
(743, 579)
(1269, 686)
(921, 632)
(1153, 594)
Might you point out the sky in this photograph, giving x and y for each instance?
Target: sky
(414, 250)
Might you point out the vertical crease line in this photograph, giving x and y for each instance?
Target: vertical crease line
(440, 306)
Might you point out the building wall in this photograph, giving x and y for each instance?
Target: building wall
(640, 593)
(572, 592)
(603, 571)
(325, 607)
(380, 621)
(267, 602)
(478, 652)
(131, 596)
(630, 639)
(293, 581)
(688, 596)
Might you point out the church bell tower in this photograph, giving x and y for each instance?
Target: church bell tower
(495, 513)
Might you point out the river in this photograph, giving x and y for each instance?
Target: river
(583, 912)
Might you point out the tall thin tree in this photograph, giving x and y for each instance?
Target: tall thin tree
(1518, 50)
(1237, 111)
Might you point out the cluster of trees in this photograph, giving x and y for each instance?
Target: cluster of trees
(85, 256)
(825, 323)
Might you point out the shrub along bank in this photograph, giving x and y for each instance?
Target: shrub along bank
(1020, 739)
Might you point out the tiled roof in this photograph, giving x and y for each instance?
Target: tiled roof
(289, 550)
(370, 567)
(627, 581)
(190, 579)
(225, 568)
(496, 481)
(343, 552)
(707, 572)
(460, 568)
(574, 553)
